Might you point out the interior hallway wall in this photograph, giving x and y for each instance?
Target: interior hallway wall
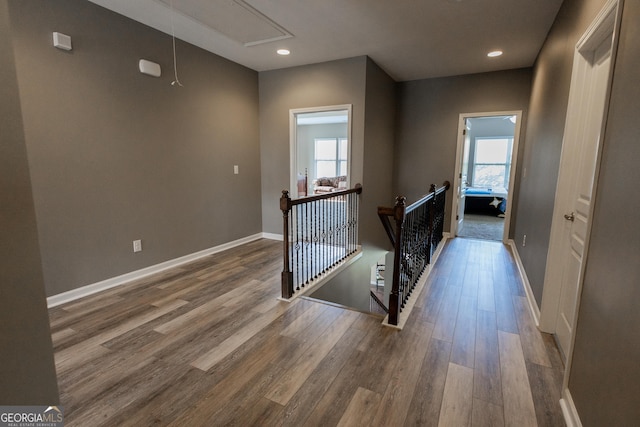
(357, 81)
(27, 371)
(428, 116)
(352, 286)
(329, 83)
(116, 155)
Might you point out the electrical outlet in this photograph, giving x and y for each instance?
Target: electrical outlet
(137, 245)
(236, 170)
(524, 241)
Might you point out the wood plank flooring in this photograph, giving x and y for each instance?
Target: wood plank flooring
(209, 344)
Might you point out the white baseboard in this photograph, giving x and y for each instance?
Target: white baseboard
(533, 305)
(569, 410)
(272, 236)
(91, 289)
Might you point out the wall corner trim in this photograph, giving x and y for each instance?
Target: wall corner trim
(569, 410)
(103, 285)
(533, 306)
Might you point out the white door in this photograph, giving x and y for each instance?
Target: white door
(463, 183)
(578, 169)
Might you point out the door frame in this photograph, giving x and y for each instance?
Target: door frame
(512, 173)
(293, 140)
(607, 20)
(606, 24)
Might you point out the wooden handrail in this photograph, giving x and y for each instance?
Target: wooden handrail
(433, 191)
(308, 199)
(417, 251)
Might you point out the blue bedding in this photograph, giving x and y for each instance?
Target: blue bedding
(483, 191)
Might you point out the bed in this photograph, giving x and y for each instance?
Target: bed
(485, 201)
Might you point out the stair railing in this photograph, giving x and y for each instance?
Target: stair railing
(319, 232)
(418, 230)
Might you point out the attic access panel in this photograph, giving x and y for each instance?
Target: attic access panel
(235, 19)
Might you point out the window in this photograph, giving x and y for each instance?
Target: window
(330, 157)
(492, 162)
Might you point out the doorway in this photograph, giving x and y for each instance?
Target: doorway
(320, 149)
(485, 171)
(577, 179)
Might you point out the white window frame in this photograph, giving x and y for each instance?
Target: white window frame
(337, 159)
(506, 163)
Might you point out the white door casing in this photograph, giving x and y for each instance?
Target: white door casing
(461, 188)
(293, 141)
(576, 189)
(459, 199)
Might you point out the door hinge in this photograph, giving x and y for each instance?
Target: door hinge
(464, 131)
(457, 217)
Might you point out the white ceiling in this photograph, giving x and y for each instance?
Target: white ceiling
(409, 39)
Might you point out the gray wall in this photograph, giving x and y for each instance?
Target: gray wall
(351, 287)
(544, 132)
(116, 155)
(329, 83)
(428, 123)
(605, 378)
(357, 81)
(26, 369)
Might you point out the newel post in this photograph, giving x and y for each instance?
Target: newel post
(394, 296)
(287, 274)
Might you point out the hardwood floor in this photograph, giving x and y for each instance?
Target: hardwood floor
(209, 344)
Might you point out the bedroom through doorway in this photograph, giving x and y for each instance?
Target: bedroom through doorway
(485, 172)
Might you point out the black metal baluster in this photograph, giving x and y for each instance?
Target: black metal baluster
(332, 225)
(304, 244)
(348, 209)
(345, 220)
(333, 232)
(317, 237)
(294, 251)
(323, 208)
(310, 242)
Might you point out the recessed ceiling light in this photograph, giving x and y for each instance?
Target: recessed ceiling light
(494, 53)
(283, 52)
